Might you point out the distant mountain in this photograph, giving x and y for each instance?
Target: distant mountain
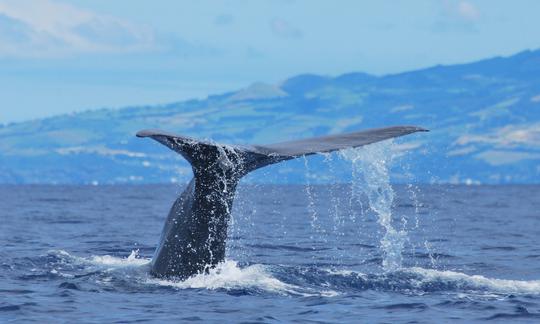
(484, 117)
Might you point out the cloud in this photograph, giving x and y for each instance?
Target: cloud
(46, 28)
(462, 10)
(506, 137)
(467, 11)
(181, 48)
(284, 29)
(498, 157)
(460, 16)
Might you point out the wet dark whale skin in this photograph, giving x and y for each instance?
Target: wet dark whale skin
(195, 232)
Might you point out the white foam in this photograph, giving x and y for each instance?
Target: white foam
(460, 283)
(228, 275)
(133, 260)
(479, 282)
(345, 273)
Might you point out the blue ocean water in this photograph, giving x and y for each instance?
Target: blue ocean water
(81, 253)
(366, 251)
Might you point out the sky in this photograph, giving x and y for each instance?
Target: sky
(62, 56)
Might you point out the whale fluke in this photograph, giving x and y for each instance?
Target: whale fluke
(195, 232)
(332, 143)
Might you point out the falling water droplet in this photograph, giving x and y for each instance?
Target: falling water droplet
(371, 176)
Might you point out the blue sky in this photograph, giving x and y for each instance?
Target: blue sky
(60, 56)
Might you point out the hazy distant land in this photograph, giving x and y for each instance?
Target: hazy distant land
(484, 117)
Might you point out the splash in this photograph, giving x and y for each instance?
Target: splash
(133, 260)
(371, 177)
(306, 282)
(314, 214)
(228, 275)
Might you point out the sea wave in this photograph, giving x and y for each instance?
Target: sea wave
(228, 275)
(476, 282)
(305, 281)
(418, 280)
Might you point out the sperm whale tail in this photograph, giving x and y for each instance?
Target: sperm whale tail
(201, 153)
(195, 232)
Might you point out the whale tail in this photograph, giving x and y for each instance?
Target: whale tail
(202, 154)
(195, 232)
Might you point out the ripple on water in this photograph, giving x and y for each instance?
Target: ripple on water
(313, 286)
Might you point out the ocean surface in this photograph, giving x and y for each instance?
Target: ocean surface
(305, 253)
(364, 251)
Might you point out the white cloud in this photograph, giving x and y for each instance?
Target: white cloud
(457, 16)
(467, 11)
(507, 136)
(498, 157)
(283, 28)
(99, 150)
(464, 10)
(47, 28)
